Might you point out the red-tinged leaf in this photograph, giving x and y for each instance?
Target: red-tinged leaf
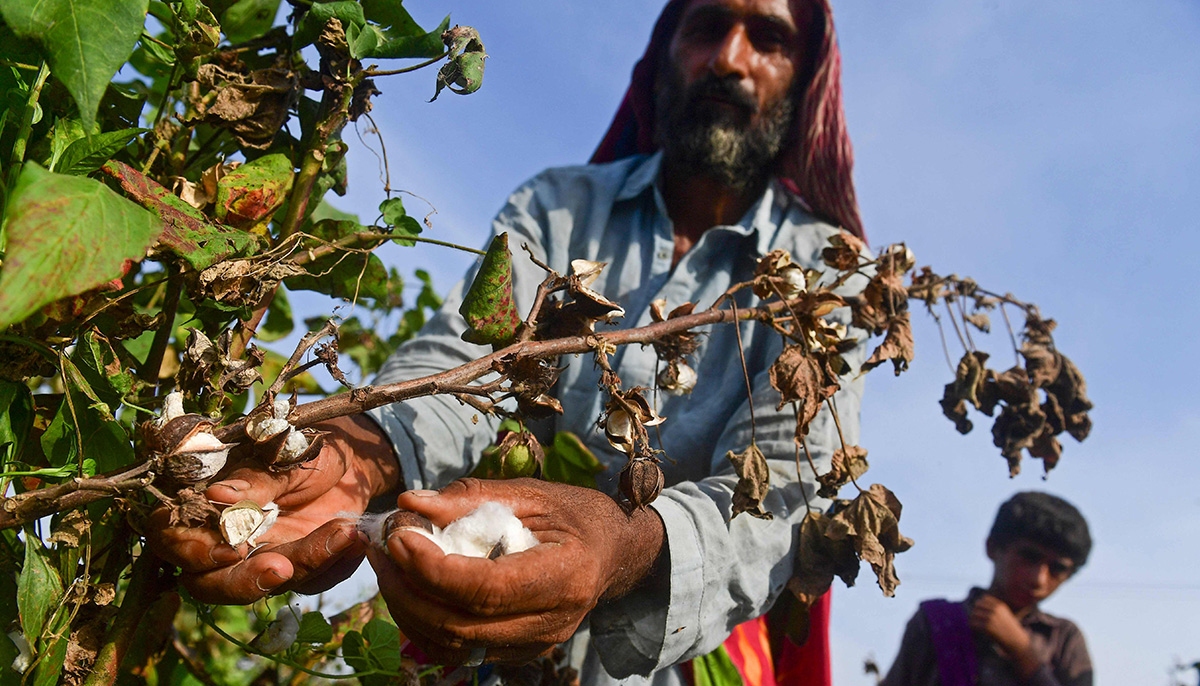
(488, 305)
(188, 234)
(249, 196)
(66, 235)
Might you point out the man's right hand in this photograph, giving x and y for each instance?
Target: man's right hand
(313, 545)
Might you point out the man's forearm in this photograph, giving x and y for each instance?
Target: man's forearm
(367, 449)
(640, 549)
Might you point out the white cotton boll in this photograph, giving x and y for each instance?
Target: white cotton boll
(262, 429)
(280, 408)
(491, 524)
(172, 408)
(24, 656)
(200, 441)
(295, 444)
(281, 633)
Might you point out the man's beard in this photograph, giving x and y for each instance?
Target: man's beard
(715, 140)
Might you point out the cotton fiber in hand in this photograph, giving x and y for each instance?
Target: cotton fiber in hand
(489, 531)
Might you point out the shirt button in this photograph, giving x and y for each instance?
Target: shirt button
(663, 255)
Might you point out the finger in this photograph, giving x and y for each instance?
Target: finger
(192, 549)
(320, 557)
(541, 578)
(241, 584)
(287, 488)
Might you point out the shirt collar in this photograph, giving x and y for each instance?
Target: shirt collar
(761, 220)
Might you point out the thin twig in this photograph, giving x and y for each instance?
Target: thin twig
(544, 288)
(798, 440)
(954, 322)
(1011, 336)
(305, 344)
(841, 438)
(404, 70)
(737, 330)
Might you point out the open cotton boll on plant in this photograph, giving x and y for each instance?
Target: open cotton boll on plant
(490, 530)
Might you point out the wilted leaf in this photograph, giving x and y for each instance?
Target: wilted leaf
(884, 299)
(844, 251)
(805, 378)
(68, 235)
(253, 106)
(847, 464)
(897, 346)
(754, 482)
(1070, 391)
(38, 591)
(968, 387)
(871, 522)
(188, 234)
(247, 197)
(70, 528)
(980, 321)
(488, 305)
(463, 73)
(819, 558)
(85, 41)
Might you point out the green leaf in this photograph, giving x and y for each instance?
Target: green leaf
(66, 235)
(569, 461)
(347, 275)
(103, 372)
(104, 440)
(249, 196)
(716, 669)
(402, 224)
(354, 651)
(85, 156)
(248, 19)
(488, 305)
(314, 629)
(383, 644)
(409, 46)
(38, 590)
(16, 418)
(85, 41)
(348, 12)
(188, 233)
(66, 131)
(54, 655)
(327, 211)
(278, 322)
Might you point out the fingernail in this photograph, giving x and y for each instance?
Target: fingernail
(235, 485)
(223, 555)
(339, 541)
(423, 493)
(269, 580)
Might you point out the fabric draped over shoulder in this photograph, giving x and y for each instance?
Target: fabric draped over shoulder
(817, 165)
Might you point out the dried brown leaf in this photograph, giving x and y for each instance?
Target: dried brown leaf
(897, 346)
(846, 465)
(871, 522)
(754, 481)
(805, 378)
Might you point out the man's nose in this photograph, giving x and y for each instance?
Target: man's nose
(732, 55)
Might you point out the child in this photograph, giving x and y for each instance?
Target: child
(999, 637)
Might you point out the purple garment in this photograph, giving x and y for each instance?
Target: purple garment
(952, 642)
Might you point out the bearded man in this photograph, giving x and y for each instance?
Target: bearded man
(730, 143)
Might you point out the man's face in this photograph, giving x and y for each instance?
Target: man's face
(725, 103)
(1027, 573)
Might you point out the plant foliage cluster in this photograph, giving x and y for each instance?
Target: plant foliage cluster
(163, 191)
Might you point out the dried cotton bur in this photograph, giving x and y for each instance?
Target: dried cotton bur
(247, 521)
(281, 445)
(184, 443)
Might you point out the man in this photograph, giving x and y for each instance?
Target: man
(730, 143)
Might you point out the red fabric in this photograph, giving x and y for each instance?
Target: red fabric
(809, 664)
(749, 647)
(816, 167)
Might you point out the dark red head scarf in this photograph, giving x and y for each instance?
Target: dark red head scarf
(817, 164)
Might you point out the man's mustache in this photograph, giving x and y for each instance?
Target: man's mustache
(723, 89)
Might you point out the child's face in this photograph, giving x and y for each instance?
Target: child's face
(1027, 573)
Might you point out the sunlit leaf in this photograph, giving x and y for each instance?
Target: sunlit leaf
(38, 590)
(86, 155)
(488, 304)
(85, 41)
(248, 19)
(66, 235)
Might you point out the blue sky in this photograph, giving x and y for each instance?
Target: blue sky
(1047, 149)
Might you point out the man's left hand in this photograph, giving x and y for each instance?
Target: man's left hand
(518, 606)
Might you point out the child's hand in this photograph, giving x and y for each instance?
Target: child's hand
(992, 617)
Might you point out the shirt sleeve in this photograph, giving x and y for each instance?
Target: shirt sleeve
(1073, 665)
(436, 438)
(723, 570)
(916, 663)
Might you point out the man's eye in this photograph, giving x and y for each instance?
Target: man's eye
(768, 39)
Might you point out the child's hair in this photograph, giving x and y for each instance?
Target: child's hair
(1044, 519)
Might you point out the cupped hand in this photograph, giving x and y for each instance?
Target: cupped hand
(517, 606)
(994, 618)
(313, 544)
